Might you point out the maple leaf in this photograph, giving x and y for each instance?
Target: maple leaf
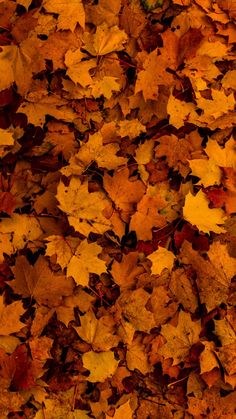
(57, 407)
(10, 317)
(207, 358)
(224, 157)
(124, 411)
(62, 247)
(15, 67)
(183, 290)
(101, 365)
(227, 357)
(95, 150)
(84, 209)
(69, 16)
(180, 111)
(225, 331)
(105, 87)
(40, 282)
(36, 109)
(61, 138)
(197, 212)
(218, 105)
(15, 231)
(133, 306)
(214, 275)
(81, 299)
(131, 128)
(78, 70)
(208, 172)
(148, 214)
(126, 272)
(98, 332)
(152, 76)
(79, 258)
(136, 356)
(180, 339)
(161, 259)
(105, 40)
(85, 261)
(163, 305)
(123, 192)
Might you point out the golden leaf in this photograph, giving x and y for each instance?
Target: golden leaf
(105, 40)
(85, 261)
(84, 209)
(197, 212)
(10, 317)
(69, 14)
(180, 339)
(161, 259)
(101, 365)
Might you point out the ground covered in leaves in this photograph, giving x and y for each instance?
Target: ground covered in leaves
(117, 204)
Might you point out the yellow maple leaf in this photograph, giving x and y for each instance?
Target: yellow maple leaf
(125, 272)
(221, 260)
(101, 365)
(78, 70)
(223, 157)
(180, 339)
(207, 358)
(229, 80)
(69, 13)
(207, 170)
(57, 408)
(98, 332)
(6, 137)
(124, 411)
(103, 154)
(36, 109)
(180, 111)
(131, 128)
(225, 331)
(10, 317)
(85, 261)
(104, 87)
(198, 213)
(137, 357)
(21, 228)
(218, 105)
(84, 209)
(152, 76)
(62, 247)
(161, 259)
(105, 40)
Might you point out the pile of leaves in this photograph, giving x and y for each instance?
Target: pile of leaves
(117, 204)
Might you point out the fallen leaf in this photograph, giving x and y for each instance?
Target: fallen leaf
(40, 282)
(180, 339)
(101, 365)
(198, 213)
(10, 317)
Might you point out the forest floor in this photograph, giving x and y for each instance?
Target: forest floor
(117, 205)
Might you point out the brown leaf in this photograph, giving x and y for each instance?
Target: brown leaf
(40, 282)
